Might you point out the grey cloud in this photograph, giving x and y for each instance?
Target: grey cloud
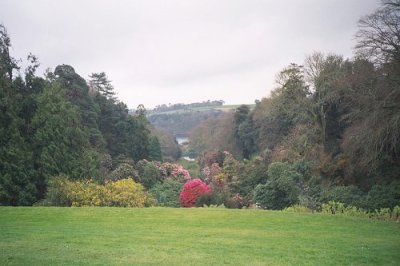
(167, 51)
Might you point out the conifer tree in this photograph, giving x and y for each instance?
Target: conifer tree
(155, 153)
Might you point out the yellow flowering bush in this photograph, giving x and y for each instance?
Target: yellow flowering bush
(121, 193)
(124, 193)
(85, 193)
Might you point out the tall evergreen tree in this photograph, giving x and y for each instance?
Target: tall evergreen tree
(99, 83)
(16, 171)
(61, 145)
(155, 153)
(77, 91)
(244, 131)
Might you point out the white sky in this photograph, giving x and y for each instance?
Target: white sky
(186, 51)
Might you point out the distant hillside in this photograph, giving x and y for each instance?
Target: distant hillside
(181, 106)
(180, 119)
(181, 122)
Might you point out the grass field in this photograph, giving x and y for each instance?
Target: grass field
(204, 236)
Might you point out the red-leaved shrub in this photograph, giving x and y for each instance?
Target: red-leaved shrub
(192, 191)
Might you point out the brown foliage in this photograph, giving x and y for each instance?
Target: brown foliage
(215, 134)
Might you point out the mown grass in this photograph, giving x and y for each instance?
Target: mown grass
(204, 236)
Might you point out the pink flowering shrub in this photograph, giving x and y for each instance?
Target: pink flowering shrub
(211, 172)
(215, 169)
(180, 172)
(207, 173)
(171, 170)
(192, 191)
(167, 168)
(163, 171)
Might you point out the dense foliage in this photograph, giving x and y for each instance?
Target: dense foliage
(181, 122)
(62, 125)
(167, 193)
(333, 124)
(329, 132)
(280, 191)
(214, 132)
(170, 150)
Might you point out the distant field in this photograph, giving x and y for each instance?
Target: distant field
(210, 236)
(227, 108)
(224, 108)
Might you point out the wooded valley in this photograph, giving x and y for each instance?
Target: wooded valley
(329, 133)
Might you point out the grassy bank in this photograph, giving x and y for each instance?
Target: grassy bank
(162, 236)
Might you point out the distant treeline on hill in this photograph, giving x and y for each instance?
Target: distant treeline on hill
(179, 106)
(182, 123)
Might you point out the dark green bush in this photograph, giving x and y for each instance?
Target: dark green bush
(235, 202)
(250, 174)
(383, 196)
(217, 196)
(167, 193)
(277, 194)
(57, 193)
(349, 195)
(206, 200)
(124, 170)
(149, 174)
(281, 190)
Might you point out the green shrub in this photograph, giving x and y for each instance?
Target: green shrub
(247, 175)
(383, 196)
(309, 201)
(57, 192)
(278, 169)
(281, 190)
(207, 199)
(167, 193)
(333, 207)
(338, 208)
(387, 214)
(382, 214)
(277, 194)
(354, 211)
(348, 195)
(214, 206)
(396, 213)
(149, 174)
(123, 170)
(298, 208)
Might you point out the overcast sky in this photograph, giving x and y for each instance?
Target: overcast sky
(185, 51)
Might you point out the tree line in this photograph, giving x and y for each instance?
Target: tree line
(179, 106)
(61, 124)
(340, 116)
(330, 131)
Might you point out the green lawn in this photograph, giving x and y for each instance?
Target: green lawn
(162, 236)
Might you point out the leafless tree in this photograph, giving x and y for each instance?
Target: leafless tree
(379, 34)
